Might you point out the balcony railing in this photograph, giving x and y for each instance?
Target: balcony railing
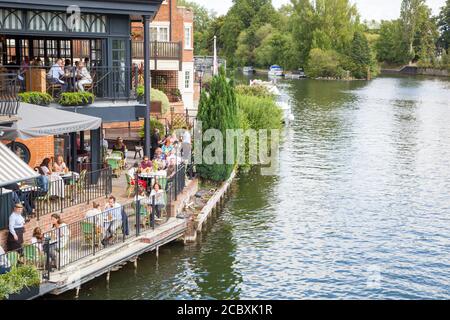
(158, 50)
(9, 102)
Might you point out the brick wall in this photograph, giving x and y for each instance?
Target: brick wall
(40, 148)
(69, 216)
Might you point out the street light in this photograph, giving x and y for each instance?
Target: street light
(200, 74)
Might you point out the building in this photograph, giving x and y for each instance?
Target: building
(42, 31)
(172, 48)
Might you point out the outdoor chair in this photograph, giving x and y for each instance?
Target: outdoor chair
(33, 257)
(89, 230)
(53, 88)
(115, 167)
(79, 187)
(13, 259)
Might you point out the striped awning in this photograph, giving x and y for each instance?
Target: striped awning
(12, 168)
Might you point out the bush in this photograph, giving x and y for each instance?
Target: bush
(39, 98)
(17, 279)
(154, 123)
(76, 98)
(256, 91)
(324, 64)
(155, 95)
(261, 112)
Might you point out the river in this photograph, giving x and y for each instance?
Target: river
(360, 207)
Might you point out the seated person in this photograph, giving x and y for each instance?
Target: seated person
(60, 166)
(167, 147)
(38, 239)
(42, 181)
(94, 215)
(56, 73)
(146, 165)
(159, 160)
(132, 174)
(45, 167)
(119, 146)
(22, 196)
(112, 216)
(84, 76)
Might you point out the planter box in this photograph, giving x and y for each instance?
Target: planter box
(25, 294)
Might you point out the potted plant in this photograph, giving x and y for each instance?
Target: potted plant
(21, 283)
(38, 98)
(74, 99)
(176, 94)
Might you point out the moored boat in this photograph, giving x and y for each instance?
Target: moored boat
(249, 70)
(297, 74)
(276, 71)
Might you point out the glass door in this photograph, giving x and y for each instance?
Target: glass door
(120, 71)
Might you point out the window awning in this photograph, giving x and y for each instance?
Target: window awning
(35, 121)
(12, 168)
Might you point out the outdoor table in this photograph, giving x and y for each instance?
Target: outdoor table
(70, 177)
(152, 177)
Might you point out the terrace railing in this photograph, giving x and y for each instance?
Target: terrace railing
(158, 50)
(9, 101)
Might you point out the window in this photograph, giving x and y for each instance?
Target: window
(159, 34)
(21, 151)
(188, 37)
(187, 79)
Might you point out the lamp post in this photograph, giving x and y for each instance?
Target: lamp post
(200, 74)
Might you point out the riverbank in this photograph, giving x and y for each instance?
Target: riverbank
(414, 70)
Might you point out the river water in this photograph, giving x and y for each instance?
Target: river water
(360, 207)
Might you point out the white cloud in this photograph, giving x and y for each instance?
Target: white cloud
(369, 9)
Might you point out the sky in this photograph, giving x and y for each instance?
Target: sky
(369, 9)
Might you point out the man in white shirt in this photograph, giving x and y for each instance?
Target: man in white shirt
(113, 218)
(56, 73)
(186, 146)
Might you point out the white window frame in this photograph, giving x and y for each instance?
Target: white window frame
(187, 79)
(188, 43)
(158, 28)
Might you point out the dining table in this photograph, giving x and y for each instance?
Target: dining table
(154, 176)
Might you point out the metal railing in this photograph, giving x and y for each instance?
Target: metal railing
(107, 82)
(158, 50)
(46, 197)
(9, 100)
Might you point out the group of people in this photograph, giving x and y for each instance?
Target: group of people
(58, 238)
(64, 73)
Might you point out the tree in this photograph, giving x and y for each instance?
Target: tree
(444, 26)
(360, 55)
(218, 110)
(409, 19)
(390, 47)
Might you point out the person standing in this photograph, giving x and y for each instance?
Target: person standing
(186, 146)
(155, 141)
(16, 228)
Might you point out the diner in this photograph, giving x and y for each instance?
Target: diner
(157, 199)
(83, 76)
(146, 165)
(112, 220)
(136, 169)
(60, 239)
(60, 166)
(56, 74)
(38, 239)
(119, 146)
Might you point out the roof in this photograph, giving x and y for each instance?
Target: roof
(35, 121)
(131, 7)
(12, 168)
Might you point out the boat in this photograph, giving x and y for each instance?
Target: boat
(276, 71)
(249, 70)
(297, 74)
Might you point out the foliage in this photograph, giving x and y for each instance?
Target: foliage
(155, 95)
(38, 98)
(154, 123)
(17, 279)
(218, 110)
(76, 98)
(256, 91)
(444, 26)
(261, 112)
(389, 47)
(360, 56)
(324, 64)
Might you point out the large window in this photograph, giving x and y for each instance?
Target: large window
(187, 80)
(159, 33)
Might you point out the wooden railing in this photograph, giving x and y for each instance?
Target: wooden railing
(158, 50)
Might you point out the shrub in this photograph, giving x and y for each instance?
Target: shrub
(261, 112)
(33, 97)
(257, 91)
(17, 279)
(154, 123)
(155, 95)
(76, 98)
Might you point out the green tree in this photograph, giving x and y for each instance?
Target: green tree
(361, 56)
(218, 110)
(444, 26)
(410, 20)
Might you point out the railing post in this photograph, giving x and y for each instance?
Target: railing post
(138, 217)
(59, 248)
(152, 215)
(47, 266)
(94, 235)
